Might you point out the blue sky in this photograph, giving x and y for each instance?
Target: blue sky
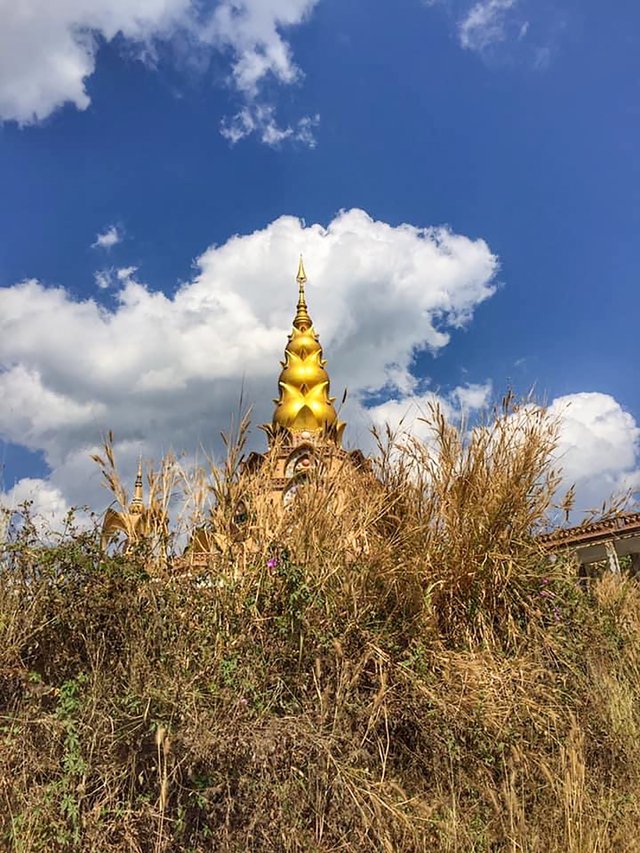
(510, 122)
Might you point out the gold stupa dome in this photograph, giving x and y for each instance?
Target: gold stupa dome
(304, 404)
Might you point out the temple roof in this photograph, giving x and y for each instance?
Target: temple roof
(626, 524)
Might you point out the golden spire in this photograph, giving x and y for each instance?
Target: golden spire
(137, 504)
(302, 320)
(301, 277)
(304, 404)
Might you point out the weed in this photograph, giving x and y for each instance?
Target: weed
(393, 665)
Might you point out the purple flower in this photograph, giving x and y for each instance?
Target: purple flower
(272, 563)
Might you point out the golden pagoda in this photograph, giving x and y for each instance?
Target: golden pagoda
(304, 408)
(304, 437)
(305, 434)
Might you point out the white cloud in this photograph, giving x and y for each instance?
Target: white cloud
(47, 504)
(103, 278)
(125, 273)
(261, 120)
(48, 49)
(112, 276)
(108, 238)
(485, 24)
(250, 29)
(524, 29)
(472, 397)
(407, 414)
(168, 371)
(599, 442)
(599, 447)
(511, 31)
(411, 412)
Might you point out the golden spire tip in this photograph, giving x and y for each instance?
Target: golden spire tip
(302, 321)
(301, 277)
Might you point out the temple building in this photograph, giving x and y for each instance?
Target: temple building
(604, 541)
(304, 440)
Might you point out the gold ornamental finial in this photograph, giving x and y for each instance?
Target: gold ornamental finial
(137, 504)
(304, 404)
(302, 320)
(301, 278)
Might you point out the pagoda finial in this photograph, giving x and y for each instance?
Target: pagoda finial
(301, 278)
(302, 320)
(137, 504)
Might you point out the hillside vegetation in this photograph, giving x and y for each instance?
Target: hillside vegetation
(393, 665)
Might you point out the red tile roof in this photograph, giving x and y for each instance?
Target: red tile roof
(590, 533)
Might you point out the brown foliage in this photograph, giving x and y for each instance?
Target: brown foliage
(391, 665)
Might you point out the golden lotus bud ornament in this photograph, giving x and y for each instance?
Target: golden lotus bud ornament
(305, 405)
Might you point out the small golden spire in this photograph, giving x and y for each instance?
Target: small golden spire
(137, 504)
(302, 320)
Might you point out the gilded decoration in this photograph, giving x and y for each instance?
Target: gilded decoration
(305, 408)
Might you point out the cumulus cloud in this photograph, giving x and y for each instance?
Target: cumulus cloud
(47, 504)
(48, 49)
(485, 24)
(411, 412)
(167, 371)
(599, 448)
(473, 396)
(125, 273)
(250, 29)
(108, 238)
(599, 442)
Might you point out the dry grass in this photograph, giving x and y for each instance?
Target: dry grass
(391, 666)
